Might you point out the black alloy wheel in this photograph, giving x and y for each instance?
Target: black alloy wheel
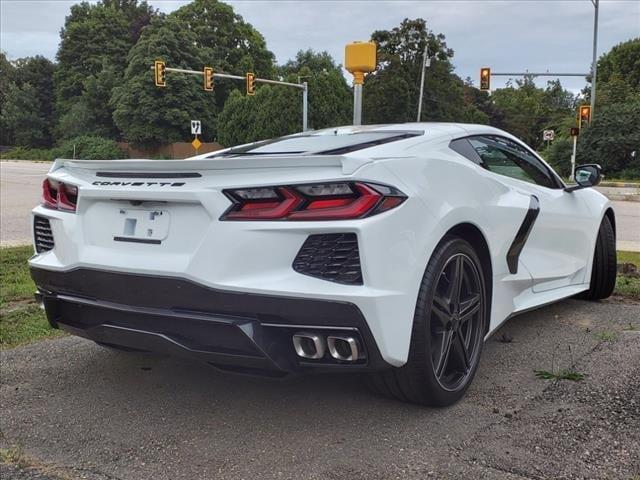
(457, 322)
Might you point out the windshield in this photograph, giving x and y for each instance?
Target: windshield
(320, 144)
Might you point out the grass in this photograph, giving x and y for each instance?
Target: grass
(21, 320)
(15, 282)
(628, 286)
(563, 374)
(606, 336)
(629, 257)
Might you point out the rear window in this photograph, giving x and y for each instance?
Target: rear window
(320, 143)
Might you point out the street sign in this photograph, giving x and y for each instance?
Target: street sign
(196, 127)
(574, 131)
(196, 144)
(548, 135)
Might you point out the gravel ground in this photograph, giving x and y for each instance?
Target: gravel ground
(98, 414)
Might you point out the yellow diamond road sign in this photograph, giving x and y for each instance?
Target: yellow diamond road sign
(196, 143)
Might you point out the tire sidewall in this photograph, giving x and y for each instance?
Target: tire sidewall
(449, 247)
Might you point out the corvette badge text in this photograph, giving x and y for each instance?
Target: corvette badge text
(139, 184)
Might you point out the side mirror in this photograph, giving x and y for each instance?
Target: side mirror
(586, 176)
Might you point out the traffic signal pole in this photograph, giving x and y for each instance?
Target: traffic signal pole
(594, 62)
(302, 86)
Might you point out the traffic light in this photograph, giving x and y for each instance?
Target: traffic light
(208, 79)
(485, 79)
(160, 69)
(574, 132)
(584, 115)
(251, 84)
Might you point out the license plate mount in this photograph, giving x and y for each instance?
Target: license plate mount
(143, 226)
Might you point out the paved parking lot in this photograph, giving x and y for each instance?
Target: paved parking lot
(21, 183)
(87, 412)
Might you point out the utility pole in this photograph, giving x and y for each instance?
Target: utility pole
(426, 62)
(594, 62)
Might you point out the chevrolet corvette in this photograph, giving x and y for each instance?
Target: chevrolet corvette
(393, 250)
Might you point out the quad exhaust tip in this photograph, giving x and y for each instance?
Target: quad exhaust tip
(311, 346)
(343, 348)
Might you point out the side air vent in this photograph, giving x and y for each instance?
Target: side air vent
(333, 257)
(42, 234)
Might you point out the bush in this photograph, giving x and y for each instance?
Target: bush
(90, 148)
(24, 153)
(558, 155)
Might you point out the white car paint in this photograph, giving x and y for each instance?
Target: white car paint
(444, 189)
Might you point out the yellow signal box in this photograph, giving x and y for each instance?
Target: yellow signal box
(160, 73)
(360, 58)
(208, 79)
(251, 84)
(584, 115)
(485, 79)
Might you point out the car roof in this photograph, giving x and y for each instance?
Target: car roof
(429, 129)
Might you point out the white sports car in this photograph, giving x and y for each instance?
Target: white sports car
(394, 250)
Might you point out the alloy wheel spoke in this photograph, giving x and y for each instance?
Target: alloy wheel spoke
(441, 309)
(456, 283)
(469, 307)
(445, 351)
(463, 350)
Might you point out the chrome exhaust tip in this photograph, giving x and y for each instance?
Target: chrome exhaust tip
(309, 345)
(345, 349)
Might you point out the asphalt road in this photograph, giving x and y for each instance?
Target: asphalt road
(86, 412)
(21, 183)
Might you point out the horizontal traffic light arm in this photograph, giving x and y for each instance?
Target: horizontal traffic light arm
(534, 74)
(234, 77)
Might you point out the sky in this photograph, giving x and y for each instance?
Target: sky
(508, 35)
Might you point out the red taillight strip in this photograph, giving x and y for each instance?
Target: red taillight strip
(251, 210)
(57, 198)
(294, 205)
(358, 207)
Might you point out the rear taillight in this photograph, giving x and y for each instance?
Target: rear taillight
(58, 195)
(318, 201)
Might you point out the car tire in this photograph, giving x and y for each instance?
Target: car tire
(604, 269)
(438, 319)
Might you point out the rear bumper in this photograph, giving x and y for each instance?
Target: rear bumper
(234, 331)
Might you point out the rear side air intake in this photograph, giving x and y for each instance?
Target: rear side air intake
(42, 234)
(333, 256)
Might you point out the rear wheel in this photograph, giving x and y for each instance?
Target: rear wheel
(448, 330)
(603, 273)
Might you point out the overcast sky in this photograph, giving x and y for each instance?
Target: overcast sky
(516, 35)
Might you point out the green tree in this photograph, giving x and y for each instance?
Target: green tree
(21, 116)
(227, 43)
(612, 138)
(619, 74)
(94, 43)
(277, 110)
(28, 76)
(6, 78)
(150, 116)
(391, 92)
(526, 110)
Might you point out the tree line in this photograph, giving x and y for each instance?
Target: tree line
(101, 86)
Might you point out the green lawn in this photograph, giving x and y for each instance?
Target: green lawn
(22, 321)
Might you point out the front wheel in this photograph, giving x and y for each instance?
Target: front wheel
(448, 330)
(603, 270)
